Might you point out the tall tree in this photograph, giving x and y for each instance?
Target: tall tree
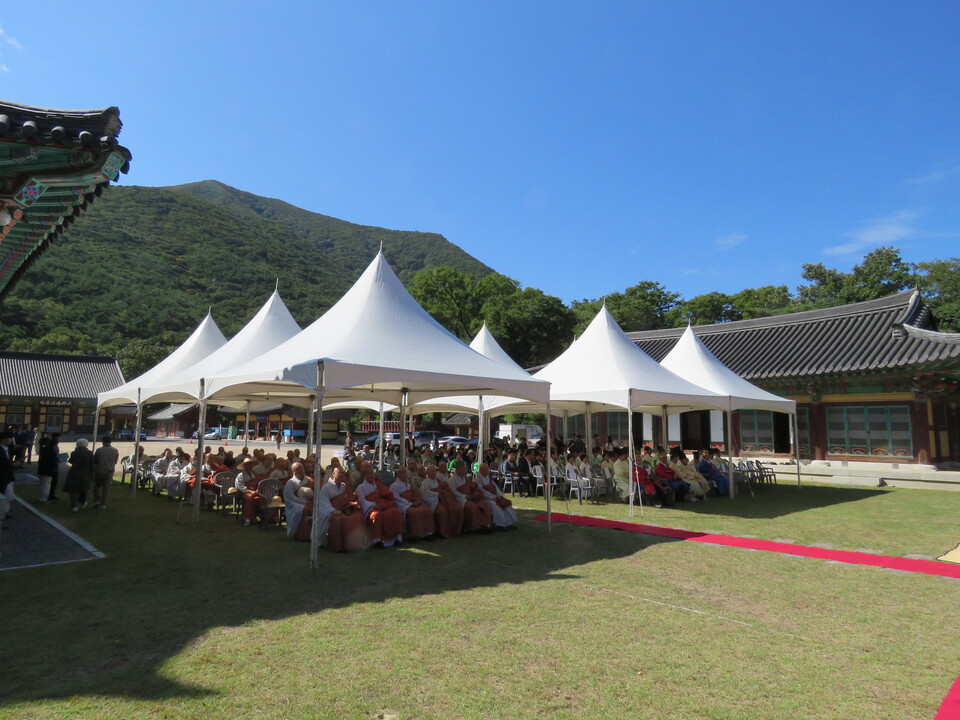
(450, 297)
(939, 281)
(762, 301)
(706, 309)
(645, 306)
(882, 272)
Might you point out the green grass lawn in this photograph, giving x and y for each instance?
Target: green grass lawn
(220, 621)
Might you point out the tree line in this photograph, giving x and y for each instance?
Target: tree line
(534, 328)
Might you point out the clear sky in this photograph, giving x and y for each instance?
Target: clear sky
(579, 147)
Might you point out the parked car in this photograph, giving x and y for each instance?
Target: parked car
(426, 437)
(127, 435)
(371, 441)
(211, 434)
(453, 440)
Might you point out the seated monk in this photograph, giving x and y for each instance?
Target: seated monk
(384, 520)
(293, 501)
(504, 516)
(246, 485)
(340, 504)
(437, 494)
(419, 517)
(476, 511)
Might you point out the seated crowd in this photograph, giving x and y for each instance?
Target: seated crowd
(354, 507)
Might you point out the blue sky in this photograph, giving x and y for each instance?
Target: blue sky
(579, 147)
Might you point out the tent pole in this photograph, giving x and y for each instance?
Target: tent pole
(588, 432)
(631, 457)
(136, 447)
(566, 430)
(310, 419)
(546, 471)
(198, 463)
(246, 427)
(318, 409)
(404, 398)
(380, 441)
(96, 428)
(480, 443)
(796, 449)
(729, 439)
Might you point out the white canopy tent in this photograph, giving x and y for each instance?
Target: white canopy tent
(204, 340)
(603, 370)
(272, 325)
(690, 359)
(376, 343)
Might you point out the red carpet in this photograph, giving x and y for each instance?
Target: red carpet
(929, 567)
(950, 709)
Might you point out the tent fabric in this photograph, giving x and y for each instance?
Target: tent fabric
(272, 325)
(485, 344)
(375, 343)
(204, 340)
(691, 360)
(601, 367)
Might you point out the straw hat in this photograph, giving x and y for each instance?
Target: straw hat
(305, 493)
(276, 502)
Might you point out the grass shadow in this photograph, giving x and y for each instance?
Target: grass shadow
(107, 627)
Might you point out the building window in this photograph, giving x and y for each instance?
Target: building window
(15, 415)
(86, 416)
(54, 419)
(756, 431)
(874, 430)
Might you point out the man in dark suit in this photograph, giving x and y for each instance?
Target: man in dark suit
(6, 472)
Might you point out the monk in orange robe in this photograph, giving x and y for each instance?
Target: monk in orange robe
(447, 512)
(346, 531)
(384, 520)
(419, 517)
(476, 511)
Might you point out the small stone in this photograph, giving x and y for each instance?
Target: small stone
(898, 571)
(917, 556)
(784, 540)
(822, 546)
(840, 562)
(868, 551)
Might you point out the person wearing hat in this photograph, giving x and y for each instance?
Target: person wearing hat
(80, 475)
(246, 485)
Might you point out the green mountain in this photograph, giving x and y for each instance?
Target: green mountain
(139, 270)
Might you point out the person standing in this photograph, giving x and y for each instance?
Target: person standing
(48, 466)
(6, 473)
(104, 465)
(80, 475)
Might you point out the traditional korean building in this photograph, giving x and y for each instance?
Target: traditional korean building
(873, 381)
(55, 393)
(53, 164)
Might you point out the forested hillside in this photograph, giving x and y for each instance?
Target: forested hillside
(140, 271)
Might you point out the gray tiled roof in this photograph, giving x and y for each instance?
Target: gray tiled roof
(171, 411)
(60, 377)
(458, 419)
(888, 334)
